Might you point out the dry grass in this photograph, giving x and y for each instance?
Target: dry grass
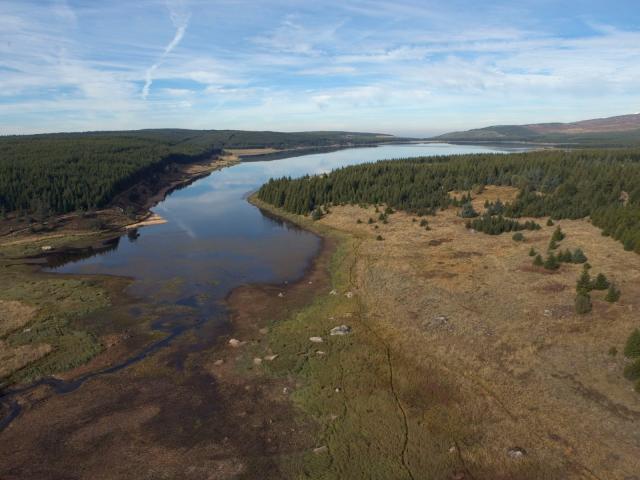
(13, 315)
(13, 358)
(511, 342)
(490, 193)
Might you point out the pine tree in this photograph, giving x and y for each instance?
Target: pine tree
(558, 236)
(551, 263)
(553, 244)
(632, 371)
(316, 214)
(538, 262)
(532, 252)
(613, 294)
(578, 256)
(583, 303)
(632, 347)
(565, 256)
(518, 237)
(601, 282)
(549, 223)
(468, 211)
(583, 286)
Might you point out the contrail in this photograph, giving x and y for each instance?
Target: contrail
(180, 21)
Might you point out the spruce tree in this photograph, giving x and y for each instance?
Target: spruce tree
(565, 256)
(551, 263)
(468, 211)
(601, 282)
(583, 286)
(578, 256)
(558, 236)
(583, 303)
(538, 262)
(613, 294)
(632, 347)
(632, 371)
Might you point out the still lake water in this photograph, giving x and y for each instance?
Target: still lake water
(214, 240)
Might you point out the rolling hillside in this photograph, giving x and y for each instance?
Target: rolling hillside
(622, 130)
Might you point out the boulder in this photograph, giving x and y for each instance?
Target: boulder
(516, 452)
(340, 330)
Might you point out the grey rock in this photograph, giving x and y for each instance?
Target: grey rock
(340, 330)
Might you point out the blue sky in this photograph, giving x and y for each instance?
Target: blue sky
(405, 67)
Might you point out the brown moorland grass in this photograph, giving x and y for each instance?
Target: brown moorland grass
(486, 354)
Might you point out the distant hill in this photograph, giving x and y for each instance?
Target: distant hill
(623, 130)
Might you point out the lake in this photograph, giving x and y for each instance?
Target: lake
(215, 240)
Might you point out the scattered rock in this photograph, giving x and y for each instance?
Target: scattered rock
(285, 390)
(264, 331)
(320, 353)
(257, 361)
(271, 358)
(439, 321)
(453, 449)
(281, 294)
(310, 282)
(516, 452)
(26, 330)
(348, 315)
(218, 362)
(337, 390)
(333, 292)
(340, 330)
(46, 248)
(235, 343)
(548, 313)
(348, 294)
(321, 450)
(316, 339)
(458, 476)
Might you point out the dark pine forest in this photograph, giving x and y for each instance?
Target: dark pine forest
(601, 184)
(59, 173)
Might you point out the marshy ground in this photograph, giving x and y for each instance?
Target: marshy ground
(463, 362)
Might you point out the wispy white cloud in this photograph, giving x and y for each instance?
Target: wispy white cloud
(292, 64)
(180, 20)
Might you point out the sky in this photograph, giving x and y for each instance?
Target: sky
(405, 67)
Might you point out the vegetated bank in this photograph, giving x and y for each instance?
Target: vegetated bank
(64, 196)
(60, 173)
(444, 318)
(601, 184)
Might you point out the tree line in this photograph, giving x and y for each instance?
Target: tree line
(603, 184)
(59, 173)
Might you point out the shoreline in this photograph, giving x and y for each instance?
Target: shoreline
(112, 221)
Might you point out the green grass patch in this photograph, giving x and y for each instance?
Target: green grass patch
(60, 301)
